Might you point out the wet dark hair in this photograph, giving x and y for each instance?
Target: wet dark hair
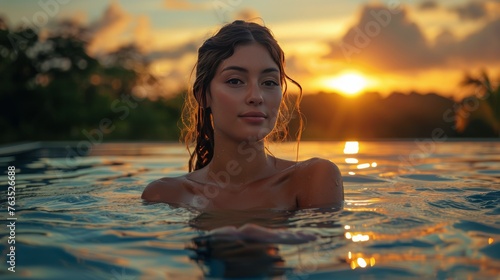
(197, 116)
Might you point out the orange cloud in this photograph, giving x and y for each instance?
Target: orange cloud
(142, 34)
(112, 24)
(182, 5)
(116, 28)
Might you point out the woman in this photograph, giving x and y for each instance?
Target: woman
(239, 104)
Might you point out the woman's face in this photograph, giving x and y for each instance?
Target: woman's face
(245, 94)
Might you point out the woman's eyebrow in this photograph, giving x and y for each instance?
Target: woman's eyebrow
(242, 69)
(270, 69)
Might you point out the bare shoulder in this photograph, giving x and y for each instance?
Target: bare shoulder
(319, 169)
(321, 184)
(320, 165)
(166, 189)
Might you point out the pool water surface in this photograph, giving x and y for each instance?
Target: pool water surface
(413, 210)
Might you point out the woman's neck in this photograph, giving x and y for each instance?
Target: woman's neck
(239, 163)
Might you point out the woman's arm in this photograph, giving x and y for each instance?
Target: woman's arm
(253, 232)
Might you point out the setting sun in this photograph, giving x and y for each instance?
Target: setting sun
(348, 83)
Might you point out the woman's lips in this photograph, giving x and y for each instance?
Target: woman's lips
(253, 117)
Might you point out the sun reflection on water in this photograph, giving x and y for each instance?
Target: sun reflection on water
(358, 237)
(359, 260)
(352, 148)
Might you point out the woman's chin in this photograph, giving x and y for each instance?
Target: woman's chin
(253, 134)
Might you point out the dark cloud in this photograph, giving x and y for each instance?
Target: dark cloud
(388, 40)
(385, 39)
(471, 11)
(445, 39)
(479, 48)
(428, 5)
(189, 47)
(482, 46)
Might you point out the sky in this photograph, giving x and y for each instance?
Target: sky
(342, 46)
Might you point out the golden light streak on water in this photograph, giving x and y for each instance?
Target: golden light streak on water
(363, 165)
(351, 160)
(353, 265)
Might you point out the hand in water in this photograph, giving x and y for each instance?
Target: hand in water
(254, 232)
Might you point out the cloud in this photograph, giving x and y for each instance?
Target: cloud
(116, 28)
(295, 66)
(385, 39)
(445, 39)
(142, 34)
(177, 53)
(77, 17)
(428, 5)
(389, 41)
(482, 46)
(182, 5)
(248, 14)
(471, 11)
(104, 32)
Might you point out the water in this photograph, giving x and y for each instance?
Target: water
(414, 210)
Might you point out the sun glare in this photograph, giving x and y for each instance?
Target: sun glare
(347, 83)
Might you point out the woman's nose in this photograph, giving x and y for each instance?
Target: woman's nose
(254, 96)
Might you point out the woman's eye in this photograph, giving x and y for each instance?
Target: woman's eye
(234, 82)
(270, 83)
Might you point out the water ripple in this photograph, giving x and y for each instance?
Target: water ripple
(447, 204)
(85, 219)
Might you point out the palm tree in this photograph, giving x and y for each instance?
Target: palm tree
(482, 107)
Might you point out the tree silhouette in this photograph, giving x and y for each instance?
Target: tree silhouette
(52, 89)
(479, 114)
